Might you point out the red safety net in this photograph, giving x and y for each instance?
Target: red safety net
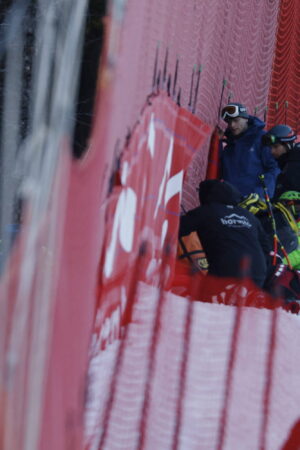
(284, 103)
(210, 52)
(213, 162)
(142, 212)
(164, 371)
(195, 375)
(167, 370)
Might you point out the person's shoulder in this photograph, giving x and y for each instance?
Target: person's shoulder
(254, 133)
(239, 209)
(194, 212)
(246, 213)
(294, 155)
(256, 124)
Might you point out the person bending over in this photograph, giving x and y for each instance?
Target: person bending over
(229, 234)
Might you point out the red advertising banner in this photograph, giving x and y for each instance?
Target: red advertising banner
(144, 209)
(142, 215)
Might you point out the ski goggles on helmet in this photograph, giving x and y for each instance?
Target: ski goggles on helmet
(232, 111)
(271, 139)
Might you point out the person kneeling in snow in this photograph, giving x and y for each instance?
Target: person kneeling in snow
(229, 234)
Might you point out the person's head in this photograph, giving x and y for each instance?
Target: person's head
(292, 200)
(218, 191)
(280, 138)
(236, 117)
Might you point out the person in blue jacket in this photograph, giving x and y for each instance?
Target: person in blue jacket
(243, 156)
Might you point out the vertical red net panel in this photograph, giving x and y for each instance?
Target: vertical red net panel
(213, 162)
(214, 377)
(47, 334)
(142, 212)
(146, 207)
(269, 380)
(43, 383)
(215, 40)
(283, 103)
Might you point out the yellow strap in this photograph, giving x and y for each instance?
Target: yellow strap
(288, 215)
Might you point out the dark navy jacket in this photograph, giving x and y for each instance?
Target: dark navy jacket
(289, 178)
(244, 158)
(229, 234)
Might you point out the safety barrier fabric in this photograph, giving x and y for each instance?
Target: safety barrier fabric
(209, 51)
(142, 218)
(284, 103)
(219, 49)
(196, 376)
(142, 213)
(161, 363)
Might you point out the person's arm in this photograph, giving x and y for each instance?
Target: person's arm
(221, 154)
(189, 222)
(264, 241)
(271, 171)
(289, 178)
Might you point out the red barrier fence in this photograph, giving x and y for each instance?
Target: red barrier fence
(284, 103)
(213, 376)
(186, 371)
(169, 371)
(144, 207)
(209, 51)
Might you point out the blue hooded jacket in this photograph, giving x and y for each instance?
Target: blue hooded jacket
(244, 158)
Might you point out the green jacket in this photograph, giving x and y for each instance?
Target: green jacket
(294, 256)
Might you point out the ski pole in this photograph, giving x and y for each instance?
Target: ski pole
(273, 223)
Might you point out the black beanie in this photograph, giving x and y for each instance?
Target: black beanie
(218, 191)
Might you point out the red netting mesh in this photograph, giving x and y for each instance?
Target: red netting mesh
(170, 371)
(284, 99)
(186, 372)
(231, 40)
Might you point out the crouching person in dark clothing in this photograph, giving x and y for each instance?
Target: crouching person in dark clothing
(229, 234)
